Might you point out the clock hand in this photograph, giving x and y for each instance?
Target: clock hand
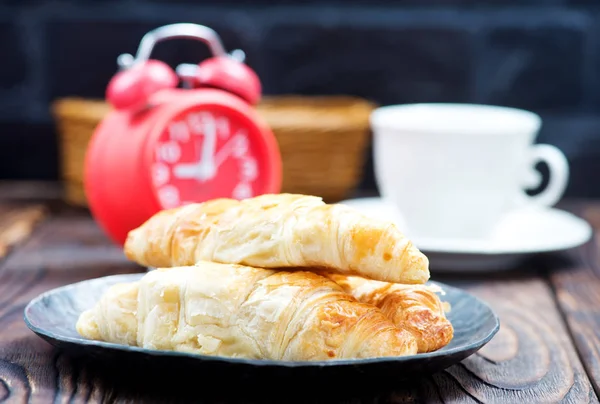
(185, 171)
(207, 163)
(225, 151)
(206, 168)
(199, 170)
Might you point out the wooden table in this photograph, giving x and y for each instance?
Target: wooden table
(547, 350)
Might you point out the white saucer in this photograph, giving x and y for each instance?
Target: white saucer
(518, 235)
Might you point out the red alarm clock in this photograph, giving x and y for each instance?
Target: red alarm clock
(163, 146)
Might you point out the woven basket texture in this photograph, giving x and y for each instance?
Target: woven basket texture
(323, 141)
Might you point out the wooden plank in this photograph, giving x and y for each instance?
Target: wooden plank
(17, 223)
(29, 191)
(532, 358)
(61, 251)
(577, 285)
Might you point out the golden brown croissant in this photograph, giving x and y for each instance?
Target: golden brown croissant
(240, 311)
(415, 308)
(278, 231)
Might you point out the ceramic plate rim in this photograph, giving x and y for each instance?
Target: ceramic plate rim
(433, 245)
(243, 361)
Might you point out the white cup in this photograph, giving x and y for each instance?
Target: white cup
(453, 170)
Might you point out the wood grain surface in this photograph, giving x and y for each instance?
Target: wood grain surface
(17, 223)
(62, 250)
(533, 359)
(576, 281)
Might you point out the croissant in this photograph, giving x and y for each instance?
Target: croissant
(278, 231)
(240, 311)
(415, 308)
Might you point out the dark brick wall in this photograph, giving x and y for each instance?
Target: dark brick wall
(543, 55)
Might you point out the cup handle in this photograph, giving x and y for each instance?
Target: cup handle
(559, 175)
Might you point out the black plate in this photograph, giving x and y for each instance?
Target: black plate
(53, 315)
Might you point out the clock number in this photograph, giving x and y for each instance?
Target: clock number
(198, 121)
(242, 190)
(195, 122)
(179, 132)
(160, 174)
(249, 169)
(223, 128)
(168, 196)
(169, 152)
(240, 146)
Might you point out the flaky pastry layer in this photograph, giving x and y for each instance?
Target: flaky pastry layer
(240, 311)
(278, 231)
(415, 308)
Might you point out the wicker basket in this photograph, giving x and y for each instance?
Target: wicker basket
(322, 140)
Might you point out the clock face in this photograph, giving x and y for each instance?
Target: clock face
(204, 154)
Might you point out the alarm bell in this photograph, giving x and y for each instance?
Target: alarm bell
(140, 77)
